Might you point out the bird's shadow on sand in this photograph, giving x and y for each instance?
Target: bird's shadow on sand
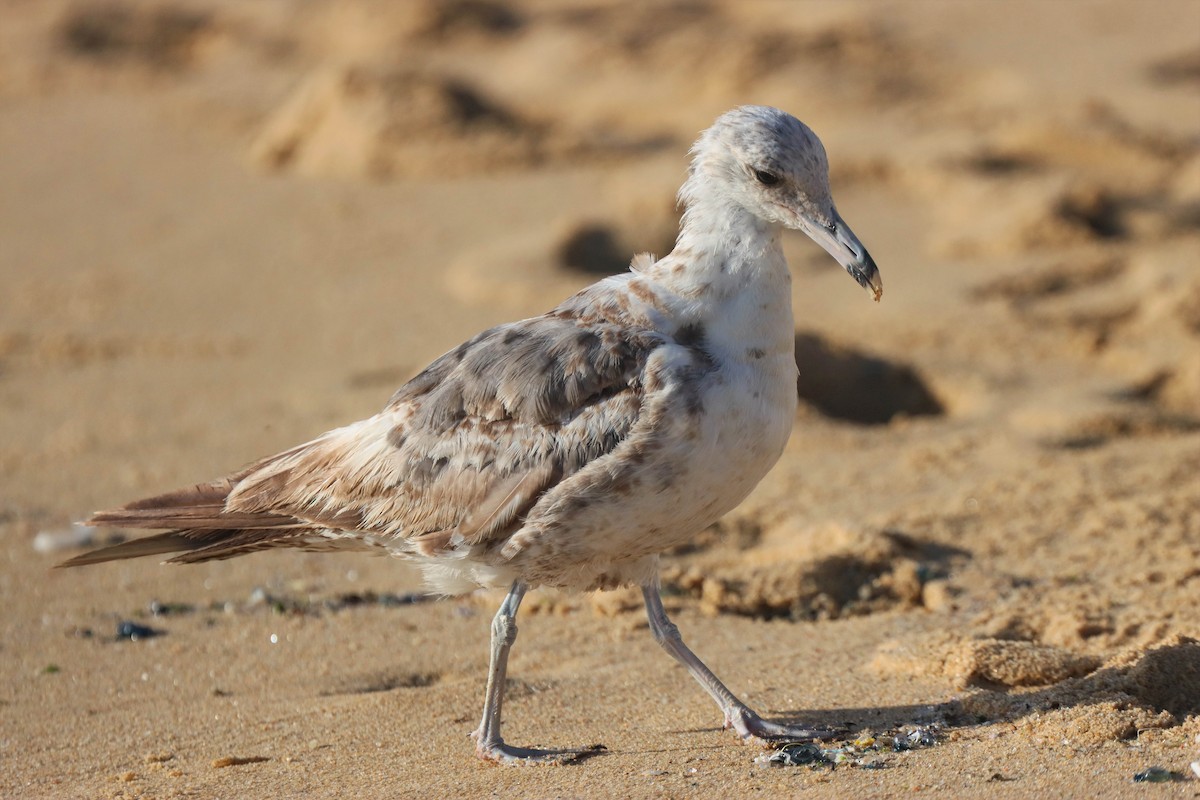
(847, 722)
(850, 721)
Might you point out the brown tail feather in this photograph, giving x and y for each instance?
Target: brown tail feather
(170, 542)
(199, 507)
(202, 494)
(203, 529)
(193, 546)
(195, 518)
(239, 543)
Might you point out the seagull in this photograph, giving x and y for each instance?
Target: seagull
(569, 449)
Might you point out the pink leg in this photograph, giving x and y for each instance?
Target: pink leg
(488, 743)
(738, 715)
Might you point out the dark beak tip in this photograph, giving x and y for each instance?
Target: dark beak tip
(868, 278)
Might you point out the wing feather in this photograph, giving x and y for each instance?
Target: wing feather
(461, 453)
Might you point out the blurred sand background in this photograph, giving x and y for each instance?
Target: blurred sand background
(227, 227)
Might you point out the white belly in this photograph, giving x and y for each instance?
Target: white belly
(746, 421)
(715, 452)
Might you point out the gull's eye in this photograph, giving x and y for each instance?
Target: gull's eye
(766, 178)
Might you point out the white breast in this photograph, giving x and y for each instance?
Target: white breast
(729, 398)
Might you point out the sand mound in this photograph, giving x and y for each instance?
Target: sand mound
(1155, 689)
(985, 663)
(1081, 701)
(384, 122)
(1167, 677)
(994, 662)
(357, 121)
(1032, 187)
(455, 19)
(1028, 287)
(737, 50)
(363, 113)
(1096, 723)
(1181, 68)
(830, 573)
(1178, 389)
(148, 35)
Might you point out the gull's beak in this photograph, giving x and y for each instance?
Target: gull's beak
(843, 245)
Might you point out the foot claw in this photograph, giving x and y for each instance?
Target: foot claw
(501, 753)
(791, 733)
(755, 727)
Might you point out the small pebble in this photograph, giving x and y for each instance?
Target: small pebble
(132, 631)
(1154, 775)
(795, 755)
(160, 609)
(258, 597)
(916, 738)
(407, 599)
(937, 596)
(1195, 765)
(64, 538)
(237, 761)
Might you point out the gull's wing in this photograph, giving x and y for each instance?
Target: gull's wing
(459, 454)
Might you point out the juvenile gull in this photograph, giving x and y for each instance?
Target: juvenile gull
(572, 448)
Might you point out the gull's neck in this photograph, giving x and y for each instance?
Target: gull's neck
(728, 275)
(722, 249)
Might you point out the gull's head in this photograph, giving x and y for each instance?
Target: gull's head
(773, 166)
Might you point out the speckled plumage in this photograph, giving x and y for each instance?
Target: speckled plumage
(571, 448)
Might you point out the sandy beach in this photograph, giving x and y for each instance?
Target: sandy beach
(228, 227)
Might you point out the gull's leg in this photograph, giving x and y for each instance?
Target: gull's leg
(738, 715)
(488, 744)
